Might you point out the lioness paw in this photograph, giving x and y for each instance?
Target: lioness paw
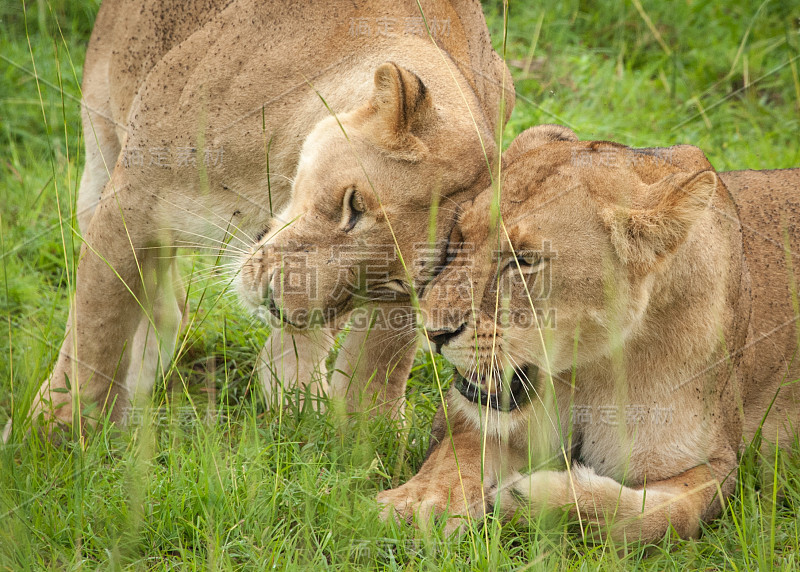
(423, 506)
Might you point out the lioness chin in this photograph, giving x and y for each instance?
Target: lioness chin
(250, 127)
(628, 317)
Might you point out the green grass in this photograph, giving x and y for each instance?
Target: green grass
(217, 481)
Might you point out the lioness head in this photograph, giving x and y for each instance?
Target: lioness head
(360, 222)
(563, 271)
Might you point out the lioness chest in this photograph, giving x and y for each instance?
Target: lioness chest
(640, 435)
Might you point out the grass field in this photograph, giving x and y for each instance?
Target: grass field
(212, 480)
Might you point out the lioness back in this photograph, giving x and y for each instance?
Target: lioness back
(130, 38)
(769, 211)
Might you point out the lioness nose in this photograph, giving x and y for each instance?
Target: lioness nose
(442, 336)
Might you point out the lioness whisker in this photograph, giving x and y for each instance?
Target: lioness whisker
(205, 240)
(228, 221)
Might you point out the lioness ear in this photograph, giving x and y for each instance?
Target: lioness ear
(644, 236)
(538, 135)
(400, 103)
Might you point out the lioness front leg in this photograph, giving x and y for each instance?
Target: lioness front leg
(295, 359)
(108, 306)
(455, 478)
(627, 514)
(375, 359)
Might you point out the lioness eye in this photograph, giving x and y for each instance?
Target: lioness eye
(528, 261)
(352, 209)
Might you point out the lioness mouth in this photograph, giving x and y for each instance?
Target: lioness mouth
(275, 311)
(506, 399)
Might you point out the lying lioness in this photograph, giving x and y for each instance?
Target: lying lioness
(627, 317)
(201, 119)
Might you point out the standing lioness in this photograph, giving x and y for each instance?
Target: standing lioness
(627, 317)
(202, 119)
